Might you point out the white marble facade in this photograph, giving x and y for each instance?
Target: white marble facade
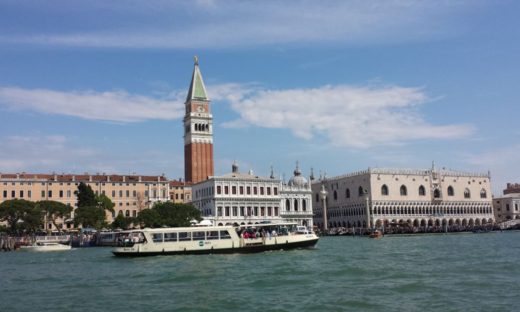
(427, 197)
(245, 198)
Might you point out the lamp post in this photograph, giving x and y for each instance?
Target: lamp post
(323, 195)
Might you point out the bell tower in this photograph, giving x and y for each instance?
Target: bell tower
(198, 131)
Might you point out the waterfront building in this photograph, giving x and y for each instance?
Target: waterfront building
(404, 197)
(245, 198)
(180, 192)
(507, 207)
(198, 131)
(129, 193)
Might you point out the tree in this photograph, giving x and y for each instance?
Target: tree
(122, 222)
(21, 215)
(176, 215)
(92, 207)
(149, 218)
(54, 210)
(90, 216)
(86, 196)
(105, 203)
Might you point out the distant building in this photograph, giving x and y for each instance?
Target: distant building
(245, 198)
(427, 197)
(507, 207)
(180, 192)
(129, 193)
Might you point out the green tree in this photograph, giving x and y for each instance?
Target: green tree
(20, 214)
(54, 210)
(149, 218)
(90, 216)
(105, 203)
(92, 208)
(86, 196)
(121, 222)
(176, 215)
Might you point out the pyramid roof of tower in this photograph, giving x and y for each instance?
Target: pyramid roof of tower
(197, 89)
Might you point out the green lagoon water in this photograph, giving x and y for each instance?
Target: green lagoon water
(462, 272)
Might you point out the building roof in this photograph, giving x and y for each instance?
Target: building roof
(197, 89)
(81, 177)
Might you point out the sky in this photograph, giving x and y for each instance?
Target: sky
(339, 86)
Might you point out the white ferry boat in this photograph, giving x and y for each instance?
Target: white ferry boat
(214, 239)
(46, 246)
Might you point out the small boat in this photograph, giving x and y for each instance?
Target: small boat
(214, 239)
(376, 234)
(46, 246)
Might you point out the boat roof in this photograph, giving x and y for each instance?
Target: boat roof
(209, 228)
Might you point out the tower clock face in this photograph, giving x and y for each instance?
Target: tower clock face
(200, 108)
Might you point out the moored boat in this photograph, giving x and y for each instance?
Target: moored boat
(214, 239)
(376, 234)
(46, 246)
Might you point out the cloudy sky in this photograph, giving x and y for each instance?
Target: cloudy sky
(339, 86)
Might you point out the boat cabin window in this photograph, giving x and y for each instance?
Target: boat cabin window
(224, 234)
(210, 235)
(170, 237)
(184, 236)
(157, 237)
(198, 235)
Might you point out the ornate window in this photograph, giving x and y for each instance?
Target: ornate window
(317, 198)
(335, 195)
(403, 190)
(360, 191)
(295, 205)
(288, 205)
(304, 205)
(467, 194)
(384, 190)
(451, 192)
(483, 193)
(422, 191)
(347, 193)
(436, 193)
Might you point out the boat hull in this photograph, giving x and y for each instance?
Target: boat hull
(46, 248)
(244, 249)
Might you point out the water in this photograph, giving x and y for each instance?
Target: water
(463, 272)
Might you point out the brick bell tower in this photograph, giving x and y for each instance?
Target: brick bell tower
(198, 131)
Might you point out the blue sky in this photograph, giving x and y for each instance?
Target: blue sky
(339, 86)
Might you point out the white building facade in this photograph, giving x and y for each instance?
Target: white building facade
(507, 207)
(245, 198)
(411, 197)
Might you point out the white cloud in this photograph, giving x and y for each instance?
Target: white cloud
(346, 115)
(37, 153)
(40, 152)
(118, 106)
(224, 24)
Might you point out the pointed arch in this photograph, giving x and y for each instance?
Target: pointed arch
(483, 193)
(384, 190)
(360, 191)
(422, 191)
(347, 193)
(467, 193)
(451, 192)
(335, 195)
(403, 191)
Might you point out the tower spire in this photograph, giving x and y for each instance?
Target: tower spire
(197, 89)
